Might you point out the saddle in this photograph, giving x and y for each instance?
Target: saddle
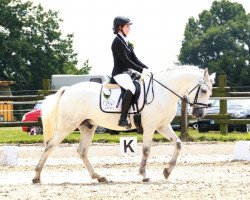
(111, 99)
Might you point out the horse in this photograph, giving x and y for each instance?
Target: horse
(71, 107)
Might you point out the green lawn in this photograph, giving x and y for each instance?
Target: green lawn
(17, 136)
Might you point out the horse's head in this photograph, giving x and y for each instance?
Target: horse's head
(199, 96)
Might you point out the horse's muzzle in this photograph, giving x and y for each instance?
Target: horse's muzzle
(198, 112)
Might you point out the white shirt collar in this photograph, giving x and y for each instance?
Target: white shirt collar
(124, 38)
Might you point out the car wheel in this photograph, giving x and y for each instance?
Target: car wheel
(202, 130)
(113, 132)
(100, 129)
(230, 129)
(247, 128)
(244, 128)
(195, 126)
(247, 125)
(36, 130)
(241, 128)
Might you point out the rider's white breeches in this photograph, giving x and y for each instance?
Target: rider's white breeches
(125, 81)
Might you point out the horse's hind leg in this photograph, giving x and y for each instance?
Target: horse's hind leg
(168, 132)
(50, 146)
(87, 134)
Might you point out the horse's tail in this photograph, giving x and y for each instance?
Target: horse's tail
(49, 113)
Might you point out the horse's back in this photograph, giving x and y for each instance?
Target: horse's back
(84, 88)
(82, 94)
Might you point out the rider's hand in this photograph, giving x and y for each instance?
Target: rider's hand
(146, 72)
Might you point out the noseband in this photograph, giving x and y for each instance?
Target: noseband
(195, 103)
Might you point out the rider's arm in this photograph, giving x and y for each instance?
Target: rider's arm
(120, 50)
(137, 61)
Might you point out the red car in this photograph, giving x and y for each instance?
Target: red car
(33, 116)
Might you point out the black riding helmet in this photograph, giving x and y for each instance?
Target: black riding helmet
(120, 21)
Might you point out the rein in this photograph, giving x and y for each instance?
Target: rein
(195, 102)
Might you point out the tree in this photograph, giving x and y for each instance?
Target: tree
(31, 45)
(219, 40)
(71, 69)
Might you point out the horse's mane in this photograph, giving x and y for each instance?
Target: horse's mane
(177, 68)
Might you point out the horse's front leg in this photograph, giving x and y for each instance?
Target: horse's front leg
(85, 141)
(147, 140)
(168, 132)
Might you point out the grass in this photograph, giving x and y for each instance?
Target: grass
(17, 136)
(216, 136)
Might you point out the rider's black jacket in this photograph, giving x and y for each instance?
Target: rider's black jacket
(124, 57)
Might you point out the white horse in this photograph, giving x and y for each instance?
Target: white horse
(71, 107)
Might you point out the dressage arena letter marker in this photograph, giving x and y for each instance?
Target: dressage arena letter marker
(242, 150)
(128, 145)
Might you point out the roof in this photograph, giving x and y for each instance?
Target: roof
(6, 83)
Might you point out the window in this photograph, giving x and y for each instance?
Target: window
(97, 80)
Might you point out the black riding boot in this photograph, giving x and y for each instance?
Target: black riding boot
(126, 103)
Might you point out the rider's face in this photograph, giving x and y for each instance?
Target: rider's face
(126, 29)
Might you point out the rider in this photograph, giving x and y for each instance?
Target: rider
(124, 61)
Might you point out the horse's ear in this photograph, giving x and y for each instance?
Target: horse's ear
(206, 75)
(212, 77)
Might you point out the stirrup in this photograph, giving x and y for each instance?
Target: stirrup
(124, 123)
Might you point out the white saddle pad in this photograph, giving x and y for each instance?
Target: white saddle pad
(110, 103)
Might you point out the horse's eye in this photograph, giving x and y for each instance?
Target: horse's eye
(203, 91)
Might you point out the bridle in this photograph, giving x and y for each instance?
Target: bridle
(194, 104)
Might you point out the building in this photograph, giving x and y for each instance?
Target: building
(58, 81)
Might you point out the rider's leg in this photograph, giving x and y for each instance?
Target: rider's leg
(124, 80)
(126, 103)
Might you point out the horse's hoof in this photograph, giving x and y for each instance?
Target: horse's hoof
(36, 180)
(146, 180)
(166, 173)
(102, 180)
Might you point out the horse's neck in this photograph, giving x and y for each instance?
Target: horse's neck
(181, 83)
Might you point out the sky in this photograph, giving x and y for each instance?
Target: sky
(157, 30)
